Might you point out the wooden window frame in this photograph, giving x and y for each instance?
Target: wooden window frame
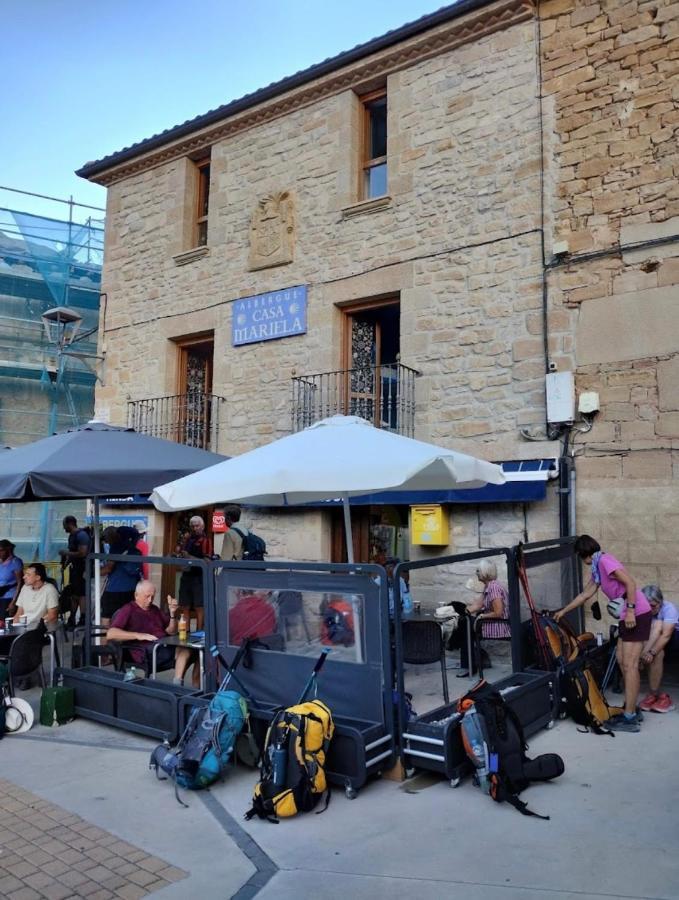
(348, 312)
(202, 201)
(351, 309)
(368, 162)
(184, 345)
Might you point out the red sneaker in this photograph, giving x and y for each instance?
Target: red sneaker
(663, 704)
(648, 702)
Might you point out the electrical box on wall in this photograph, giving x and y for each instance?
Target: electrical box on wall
(429, 525)
(588, 402)
(560, 389)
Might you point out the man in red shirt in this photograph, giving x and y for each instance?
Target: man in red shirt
(196, 545)
(144, 623)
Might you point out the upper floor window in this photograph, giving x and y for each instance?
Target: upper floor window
(374, 145)
(203, 201)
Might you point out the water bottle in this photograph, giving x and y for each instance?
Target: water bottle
(279, 764)
(183, 628)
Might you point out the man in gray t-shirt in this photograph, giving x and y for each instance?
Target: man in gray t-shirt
(664, 632)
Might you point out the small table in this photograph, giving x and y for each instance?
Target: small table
(191, 643)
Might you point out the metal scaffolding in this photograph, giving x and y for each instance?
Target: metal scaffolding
(44, 262)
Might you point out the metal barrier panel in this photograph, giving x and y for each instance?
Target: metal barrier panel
(292, 612)
(440, 561)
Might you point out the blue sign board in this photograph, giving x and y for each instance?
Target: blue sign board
(266, 317)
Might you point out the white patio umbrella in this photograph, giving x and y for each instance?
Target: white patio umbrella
(339, 457)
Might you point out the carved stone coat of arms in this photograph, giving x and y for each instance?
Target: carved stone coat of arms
(272, 231)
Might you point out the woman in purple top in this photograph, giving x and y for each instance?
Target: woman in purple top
(609, 574)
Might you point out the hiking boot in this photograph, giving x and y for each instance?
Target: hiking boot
(620, 723)
(663, 704)
(648, 701)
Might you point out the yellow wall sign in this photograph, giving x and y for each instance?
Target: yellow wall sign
(429, 525)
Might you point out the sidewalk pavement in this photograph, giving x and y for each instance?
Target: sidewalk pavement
(612, 832)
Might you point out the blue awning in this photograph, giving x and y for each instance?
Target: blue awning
(526, 481)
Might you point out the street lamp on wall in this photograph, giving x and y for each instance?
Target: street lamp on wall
(62, 326)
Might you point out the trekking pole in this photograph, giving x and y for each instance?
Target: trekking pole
(231, 669)
(314, 675)
(278, 750)
(612, 662)
(537, 625)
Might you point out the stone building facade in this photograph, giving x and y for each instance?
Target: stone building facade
(512, 133)
(611, 86)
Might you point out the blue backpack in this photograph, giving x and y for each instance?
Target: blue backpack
(207, 744)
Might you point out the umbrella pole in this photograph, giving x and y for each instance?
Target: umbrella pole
(97, 566)
(347, 528)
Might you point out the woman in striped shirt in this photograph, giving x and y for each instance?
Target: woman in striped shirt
(492, 606)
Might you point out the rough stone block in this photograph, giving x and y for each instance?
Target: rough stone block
(595, 467)
(654, 465)
(668, 384)
(668, 424)
(668, 274)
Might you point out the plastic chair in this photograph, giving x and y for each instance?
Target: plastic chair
(423, 644)
(25, 657)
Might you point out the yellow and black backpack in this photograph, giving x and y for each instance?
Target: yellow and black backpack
(292, 775)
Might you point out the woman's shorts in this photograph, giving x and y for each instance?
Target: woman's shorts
(641, 631)
(112, 601)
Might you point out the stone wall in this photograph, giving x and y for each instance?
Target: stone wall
(458, 242)
(463, 173)
(611, 84)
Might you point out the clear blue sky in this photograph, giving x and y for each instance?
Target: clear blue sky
(84, 79)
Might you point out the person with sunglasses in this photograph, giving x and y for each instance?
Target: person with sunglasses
(664, 634)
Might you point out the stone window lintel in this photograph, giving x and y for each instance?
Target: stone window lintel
(375, 204)
(189, 256)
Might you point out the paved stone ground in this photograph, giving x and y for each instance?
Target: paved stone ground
(47, 852)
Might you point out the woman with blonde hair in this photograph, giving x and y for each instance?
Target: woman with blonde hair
(491, 607)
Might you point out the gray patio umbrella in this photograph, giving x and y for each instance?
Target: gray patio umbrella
(92, 461)
(96, 460)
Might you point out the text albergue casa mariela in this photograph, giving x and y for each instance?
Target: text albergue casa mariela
(264, 317)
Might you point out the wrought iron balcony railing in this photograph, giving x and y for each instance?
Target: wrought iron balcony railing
(384, 395)
(191, 419)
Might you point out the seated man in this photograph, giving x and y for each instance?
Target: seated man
(143, 622)
(38, 599)
(664, 633)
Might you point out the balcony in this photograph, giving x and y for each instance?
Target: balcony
(192, 419)
(384, 395)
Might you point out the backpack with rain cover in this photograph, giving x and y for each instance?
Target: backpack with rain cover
(292, 773)
(493, 739)
(206, 745)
